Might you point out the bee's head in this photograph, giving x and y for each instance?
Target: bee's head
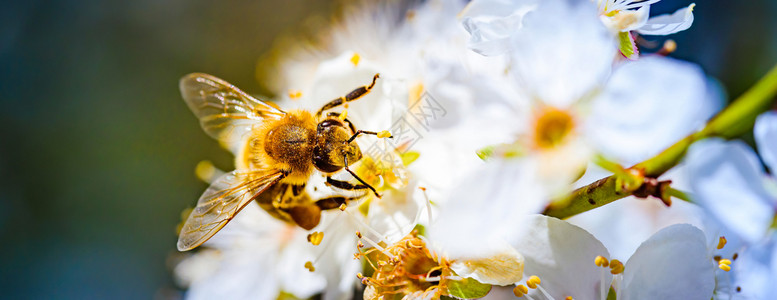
(335, 147)
(351, 152)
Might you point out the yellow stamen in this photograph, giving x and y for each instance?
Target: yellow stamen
(358, 234)
(343, 207)
(205, 170)
(722, 242)
(295, 94)
(533, 281)
(670, 46)
(724, 267)
(343, 115)
(520, 290)
(601, 261)
(568, 298)
(315, 238)
(616, 267)
(724, 262)
(309, 266)
(384, 134)
(355, 59)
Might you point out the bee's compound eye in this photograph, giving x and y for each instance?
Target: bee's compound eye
(329, 123)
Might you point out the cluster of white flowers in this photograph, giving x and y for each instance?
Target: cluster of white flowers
(498, 109)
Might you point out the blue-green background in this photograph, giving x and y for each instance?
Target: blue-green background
(97, 149)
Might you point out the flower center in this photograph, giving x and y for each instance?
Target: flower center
(551, 127)
(407, 267)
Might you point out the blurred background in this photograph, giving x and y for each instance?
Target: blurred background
(97, 148)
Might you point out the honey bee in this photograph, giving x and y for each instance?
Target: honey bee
(276, 153)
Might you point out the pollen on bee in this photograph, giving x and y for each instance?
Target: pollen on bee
(315, 238)
(309, 266)
(295, 94)
(343, 115)
(355, 59)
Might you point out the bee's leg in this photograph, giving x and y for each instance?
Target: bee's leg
(345, 185)
(353, 95)
(350, 125)
(334, 202)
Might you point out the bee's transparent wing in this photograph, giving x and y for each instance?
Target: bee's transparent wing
(226, 113)
(221, 202)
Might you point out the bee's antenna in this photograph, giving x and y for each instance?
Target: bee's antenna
(382, 134)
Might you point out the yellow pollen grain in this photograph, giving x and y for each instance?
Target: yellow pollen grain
(670, 46)
(343, 207)
(355, 59)
(568, 298)
(295, 94)
(343, 115)
(315, 238)
(601, 261)
(384, 134)
(616, 267)
(309, 266)
(724, 262)
(533, 281)
(722, 242)
(724, 267)
(205, 170)
(520, 290)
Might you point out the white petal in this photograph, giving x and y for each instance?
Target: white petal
(756, 271)
(669, 24)
(243, 276)
(503, 268)
(648, 105)
(627, 20)
(562, 255)
(491, 23)
(291, 272)
(563, 52)
(765, 132)
(394, 215)
(727, 179)
(337, 77)
(672, 264)
(486, 208)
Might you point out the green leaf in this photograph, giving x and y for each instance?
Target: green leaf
(467, 288)
(627, 45)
